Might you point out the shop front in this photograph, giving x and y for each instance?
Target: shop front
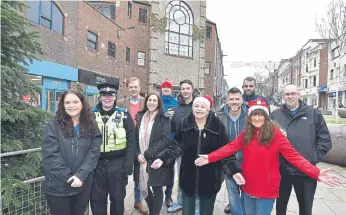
(53, 79)
(335, 98)
(91, 80)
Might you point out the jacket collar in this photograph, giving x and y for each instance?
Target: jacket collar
(213, 124)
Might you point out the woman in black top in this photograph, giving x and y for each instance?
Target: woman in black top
(152, 132)
(70, 152)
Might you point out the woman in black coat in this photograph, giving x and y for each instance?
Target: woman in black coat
(152, 132)
(70, 152)
(200, 132)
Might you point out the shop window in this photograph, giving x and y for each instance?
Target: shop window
(46, 14)
(53, 98)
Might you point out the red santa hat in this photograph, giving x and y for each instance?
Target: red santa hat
(210, 100)
(258, 104)
(204, 100)
(166, 83)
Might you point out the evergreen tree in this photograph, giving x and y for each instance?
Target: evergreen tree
(21, 124)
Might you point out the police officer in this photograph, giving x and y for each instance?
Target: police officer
(117, 153)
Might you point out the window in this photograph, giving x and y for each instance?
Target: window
(331, 74)
(129, 9)
(208, 35)
(178, 36)
(108, 9)
(46, 14)
(306, 55)
(142, 15)
(141, 58)
(306, 83)
(315, 62)
(128, 54)
(92, 40)
(314, 81)
(307, 68)
(207, 68)
(111, 49)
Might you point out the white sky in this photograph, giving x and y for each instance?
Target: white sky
(262, 30)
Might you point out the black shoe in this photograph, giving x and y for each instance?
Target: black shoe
(169, 201)
(227, 210)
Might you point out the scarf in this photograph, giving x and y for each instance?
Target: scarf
(144, 138)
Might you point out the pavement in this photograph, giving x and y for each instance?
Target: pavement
(328, 200)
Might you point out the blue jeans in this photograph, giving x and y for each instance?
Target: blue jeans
(236, 203)
(137, 193)
(257, 206)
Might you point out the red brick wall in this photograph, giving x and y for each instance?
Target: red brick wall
(209, 81)
(323, 67)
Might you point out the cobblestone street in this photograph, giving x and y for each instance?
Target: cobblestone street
(328, 201)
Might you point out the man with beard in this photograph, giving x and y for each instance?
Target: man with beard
(134, 104)
(117, 153)
(249, 88)
(181, 111)
(309, 135)
(233, 116)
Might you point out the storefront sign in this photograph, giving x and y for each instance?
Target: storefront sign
(92, 78)
(333, 94)
(323, 89)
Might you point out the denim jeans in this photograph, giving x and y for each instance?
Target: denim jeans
(257, 206)
(204, 204)
(236, 203)
(137, 193)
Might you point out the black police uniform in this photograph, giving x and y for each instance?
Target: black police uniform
(115, 163)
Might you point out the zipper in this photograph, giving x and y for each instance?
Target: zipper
(197, 170)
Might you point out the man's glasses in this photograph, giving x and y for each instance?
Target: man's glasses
(246, 86)
(290, 94)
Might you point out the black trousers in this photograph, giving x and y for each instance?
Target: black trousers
(69, 205)
(109, 178)
(154, 200)
(304, 188)
(169, 188)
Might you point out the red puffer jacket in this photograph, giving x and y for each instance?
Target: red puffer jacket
(260, 167)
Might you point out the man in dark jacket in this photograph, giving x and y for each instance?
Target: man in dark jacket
(180, 112)
(249, 88)
(117, 153)
(308, 133)
(233, 116)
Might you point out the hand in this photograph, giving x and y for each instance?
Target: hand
(202, 160)
(76, 181)
(328, 178)
(239, 179)
(141, 159)
(157, 164)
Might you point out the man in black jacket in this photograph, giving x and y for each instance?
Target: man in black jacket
(308, 133)
(117, 153)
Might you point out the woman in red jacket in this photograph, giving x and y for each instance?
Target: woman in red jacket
(261, 142)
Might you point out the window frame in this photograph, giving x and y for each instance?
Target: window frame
(110, 50)
(144, 59)
(102, 5)
(205, 68)
(145, 21)
(95, 42)
(49, 19)
(208, 36)
(128, 54)
(179, 30)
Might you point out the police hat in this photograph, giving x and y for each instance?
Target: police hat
(108, 89)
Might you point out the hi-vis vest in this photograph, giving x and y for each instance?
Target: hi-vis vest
(113, 132)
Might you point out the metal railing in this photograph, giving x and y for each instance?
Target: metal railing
(31, 199)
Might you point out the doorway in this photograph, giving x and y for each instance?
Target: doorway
(53, 98)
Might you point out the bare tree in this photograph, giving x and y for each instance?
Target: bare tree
(333, 28)
(262, 83)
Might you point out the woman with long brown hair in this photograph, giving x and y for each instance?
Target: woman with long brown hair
(70, 152)
(262, 141)
(153, 129)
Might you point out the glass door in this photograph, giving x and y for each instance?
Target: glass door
(53, 98)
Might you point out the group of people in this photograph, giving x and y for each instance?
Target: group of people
(89, 154)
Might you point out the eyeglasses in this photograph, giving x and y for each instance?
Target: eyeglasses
(246, 86)
(290, 94)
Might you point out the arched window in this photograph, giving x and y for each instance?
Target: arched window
(46, 14)
(178, 36)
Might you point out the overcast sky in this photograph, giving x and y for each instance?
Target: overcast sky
(262, 30)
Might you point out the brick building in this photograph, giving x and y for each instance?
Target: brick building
(89, 42)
